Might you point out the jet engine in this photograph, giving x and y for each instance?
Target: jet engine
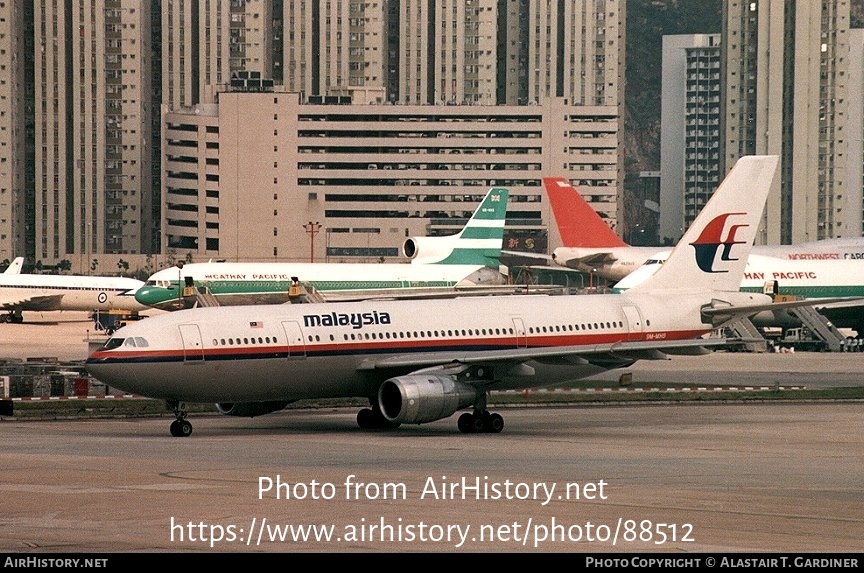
(428, 249)
(250, 409)
(419, 398)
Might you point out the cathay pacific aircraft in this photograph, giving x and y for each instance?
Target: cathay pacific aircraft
(424, 360)
(467, 260)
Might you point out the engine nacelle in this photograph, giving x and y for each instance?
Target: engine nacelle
(419, 398)
(250, 409)
(428, 249)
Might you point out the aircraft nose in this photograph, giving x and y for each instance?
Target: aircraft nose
(154, 296)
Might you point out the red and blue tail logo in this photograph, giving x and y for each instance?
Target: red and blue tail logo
(711, 239)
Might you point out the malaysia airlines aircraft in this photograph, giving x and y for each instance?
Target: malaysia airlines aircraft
(33, 292)
(466, 260)
(419, 361)
(591, 246)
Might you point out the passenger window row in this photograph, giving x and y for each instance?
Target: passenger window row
(245, 340)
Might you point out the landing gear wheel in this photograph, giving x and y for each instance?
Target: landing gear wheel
(478, 423)
(366, 418)
(373, 419)
(481, 422)
(466, 423)
(181, 428)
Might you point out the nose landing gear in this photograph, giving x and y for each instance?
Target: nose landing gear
(181, 427)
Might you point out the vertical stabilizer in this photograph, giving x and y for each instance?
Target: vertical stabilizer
(578, 223)
(713, 252)
(478, 243)
(15, 266)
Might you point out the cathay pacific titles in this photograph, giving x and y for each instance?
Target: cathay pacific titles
(355, 319)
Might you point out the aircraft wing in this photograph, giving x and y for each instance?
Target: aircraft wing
(47, 302)
(845, 313)
(720, 314)
(842, 303)
(520, 258)
(600, 353)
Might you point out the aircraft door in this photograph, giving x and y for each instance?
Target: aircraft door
(634, 322)
(519, 329)
(193, 346)
(294, 335)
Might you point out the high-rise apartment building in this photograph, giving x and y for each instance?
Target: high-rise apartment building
(563, 58)
(785, 73)
(91, 181)
(16, 131)
(206, 43)
(690, 138)
(853, 212)
(93, 116)
(467, 52)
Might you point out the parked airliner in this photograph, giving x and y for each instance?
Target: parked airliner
(466, 260)
(591, 246)
(423, 360)
(34, 292)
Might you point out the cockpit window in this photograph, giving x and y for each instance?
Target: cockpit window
(113, 343)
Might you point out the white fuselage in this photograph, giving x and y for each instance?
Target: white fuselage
(68, 292)
(269, 283)
(289, 352)
(819, 278)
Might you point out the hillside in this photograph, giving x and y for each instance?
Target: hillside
(647, 22)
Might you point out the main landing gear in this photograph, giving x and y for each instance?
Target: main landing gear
(480, 422)
(13, 316)
(181, 427)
